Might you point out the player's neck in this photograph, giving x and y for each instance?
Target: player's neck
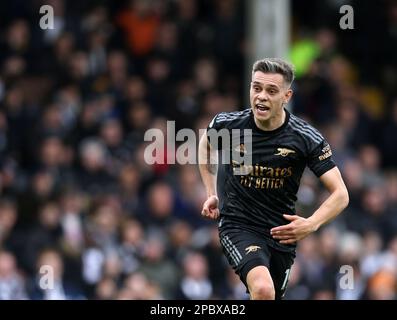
(273, 123)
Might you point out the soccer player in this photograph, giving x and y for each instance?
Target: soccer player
(255, 202)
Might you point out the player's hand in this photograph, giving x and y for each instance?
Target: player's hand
(297, 229)
(210, 208)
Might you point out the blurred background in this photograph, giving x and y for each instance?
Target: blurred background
(76, 100)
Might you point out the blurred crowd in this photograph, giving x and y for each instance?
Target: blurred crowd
(76, 193)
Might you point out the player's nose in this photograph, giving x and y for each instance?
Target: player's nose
(262, 96)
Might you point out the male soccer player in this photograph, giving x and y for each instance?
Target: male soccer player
(258, 225)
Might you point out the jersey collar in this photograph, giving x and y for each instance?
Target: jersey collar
(269, 132)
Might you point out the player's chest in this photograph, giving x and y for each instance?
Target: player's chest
(278, 151)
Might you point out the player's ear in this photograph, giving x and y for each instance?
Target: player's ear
(288, 95)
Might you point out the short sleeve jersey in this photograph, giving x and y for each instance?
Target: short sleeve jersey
(255, 193)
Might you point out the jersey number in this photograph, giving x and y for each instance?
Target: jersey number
(287, 272)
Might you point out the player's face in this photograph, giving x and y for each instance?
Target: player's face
(268, 93)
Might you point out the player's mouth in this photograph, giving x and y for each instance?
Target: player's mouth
(262, 109)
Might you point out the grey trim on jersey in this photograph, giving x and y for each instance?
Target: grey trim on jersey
(305, 129)
(229, 116)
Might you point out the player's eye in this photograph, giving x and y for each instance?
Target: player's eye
(257, 89)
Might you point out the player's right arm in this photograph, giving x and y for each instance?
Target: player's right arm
(208, 166)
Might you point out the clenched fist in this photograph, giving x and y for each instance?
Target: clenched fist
(210, 208)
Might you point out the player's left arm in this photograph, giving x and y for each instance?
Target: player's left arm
(300, 227)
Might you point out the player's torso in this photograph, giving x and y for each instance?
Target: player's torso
(266, 162)
(261, 181)
(263, 163)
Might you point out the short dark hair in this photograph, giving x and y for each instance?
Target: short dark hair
(275, 65)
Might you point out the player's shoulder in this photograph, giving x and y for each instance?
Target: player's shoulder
(233, 115)
(304, 129)
(230, 118)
